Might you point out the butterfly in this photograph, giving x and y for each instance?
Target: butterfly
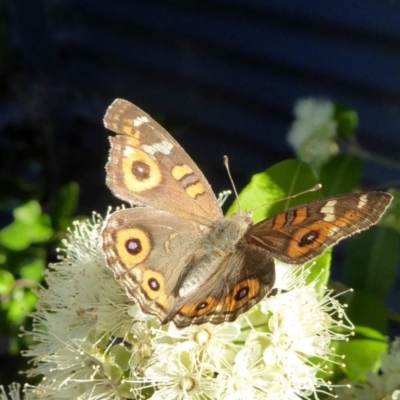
(177, 255)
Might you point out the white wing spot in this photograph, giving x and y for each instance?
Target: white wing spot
(129, 151)
(333, 230)
(363, 201)
(329, 210)
(140, 120)
(163, 147)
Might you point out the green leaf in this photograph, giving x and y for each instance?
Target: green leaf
(22, 303)
(28, 213)
(287, 178)
(113, 371)
(320, 270)
(341, 174)
(68, 199)
(6, 282)
(362, 353)
(391, 218)
(371, 261)
(125, 391)
(33, 269)
(120, 356)
(347, 121)
(14, 236)
(66, 205)
(29, 226)
(366, 333)
(41, 231)
(365, 309)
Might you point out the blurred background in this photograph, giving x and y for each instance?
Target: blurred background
(221, 76)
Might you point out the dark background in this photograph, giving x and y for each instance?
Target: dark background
(222, 76)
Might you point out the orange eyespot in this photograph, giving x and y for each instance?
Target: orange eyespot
(241, 294)
(202, 307)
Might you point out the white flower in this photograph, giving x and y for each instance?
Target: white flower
(247, 377)
(14, 392)
(180, 376)
(313, 132)
(80, 325)
(92, 342)
(207, 340)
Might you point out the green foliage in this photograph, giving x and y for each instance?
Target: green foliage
(367, 310)
(26, 245)
(371, 261)
(391, 218)
(340, 174)
(362, 353)
(29, 226)
(347, 121)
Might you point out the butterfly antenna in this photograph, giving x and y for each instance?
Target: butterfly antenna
(226, 163)
(316, 187)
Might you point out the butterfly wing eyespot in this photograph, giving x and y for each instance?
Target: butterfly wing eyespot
(153, 286)
(306, 240)
(136, 171)
(198, 309)
(241, 294)
(133, 245)
(309, 238)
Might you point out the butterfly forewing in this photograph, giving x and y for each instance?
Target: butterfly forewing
(148, 167)
(302, 233)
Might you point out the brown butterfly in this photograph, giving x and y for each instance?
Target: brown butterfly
(177, 255)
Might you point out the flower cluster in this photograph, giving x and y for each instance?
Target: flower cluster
(93, 342)
(313, 133)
